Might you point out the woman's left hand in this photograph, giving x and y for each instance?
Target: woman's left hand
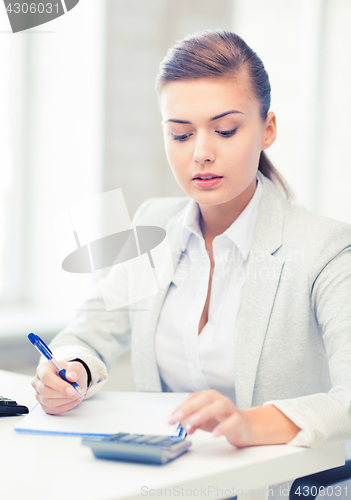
(211, 411)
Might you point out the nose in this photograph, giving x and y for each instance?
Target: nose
(203, 152)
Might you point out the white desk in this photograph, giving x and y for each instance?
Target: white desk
(38, 467)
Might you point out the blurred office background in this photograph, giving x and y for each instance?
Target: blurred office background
(79, 116)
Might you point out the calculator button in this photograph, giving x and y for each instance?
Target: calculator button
(115, 437)
(142, 439)
(158, 440)
(127, 438)
(170, 442)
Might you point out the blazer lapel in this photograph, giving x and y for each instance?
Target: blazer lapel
(146, 374)
(261, 285)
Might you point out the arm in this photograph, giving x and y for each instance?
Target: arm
(311, 420)
(325, 417)
(268, 425)
(96, 338)
(211, 411)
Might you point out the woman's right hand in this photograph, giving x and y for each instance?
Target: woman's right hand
(54, 394)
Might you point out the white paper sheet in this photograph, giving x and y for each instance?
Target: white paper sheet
(108, 413)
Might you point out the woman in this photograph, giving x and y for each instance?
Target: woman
(256, 322)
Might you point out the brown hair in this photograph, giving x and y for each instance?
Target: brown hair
(222, 54)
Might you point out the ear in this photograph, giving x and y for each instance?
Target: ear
(270, 130)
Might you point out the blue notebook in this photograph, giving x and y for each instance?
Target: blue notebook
(109, 413)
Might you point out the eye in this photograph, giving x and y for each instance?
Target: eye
(226, 133)
(180, 137)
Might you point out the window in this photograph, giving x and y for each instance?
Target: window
(51, 126)
(11, 53)
(6, 160)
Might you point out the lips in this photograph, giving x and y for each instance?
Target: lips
(206, 176)
(207, 182)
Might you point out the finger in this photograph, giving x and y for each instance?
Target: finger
(38, 385)
(182, 410)
(235, 429)
(56, 402)
(75, 371)
(190, 396)
(59, 409)
(213, 412)
(49, 393)
(34, 382)
(48, 376)
(192, 404)
(207, 426)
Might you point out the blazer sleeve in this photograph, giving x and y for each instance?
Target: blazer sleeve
(325, 418)
(97, 336)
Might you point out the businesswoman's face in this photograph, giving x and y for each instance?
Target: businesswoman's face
(213, 127)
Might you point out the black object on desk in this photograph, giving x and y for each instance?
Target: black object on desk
(9, 407)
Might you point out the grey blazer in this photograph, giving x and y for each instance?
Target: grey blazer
(293, 344)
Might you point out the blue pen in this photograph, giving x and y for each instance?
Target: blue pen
(45, 351)
(181, 432)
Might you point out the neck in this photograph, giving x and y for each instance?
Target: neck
(215, 219)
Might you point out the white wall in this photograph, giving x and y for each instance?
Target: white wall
(334, 194)
(304, 46)
(6, 156)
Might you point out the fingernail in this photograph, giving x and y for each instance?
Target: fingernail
(176, 417)
(195, 419)
(216, 431)
(188, 428)
(71, 391)
(73, 376)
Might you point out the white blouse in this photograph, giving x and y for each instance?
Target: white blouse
(189, 361)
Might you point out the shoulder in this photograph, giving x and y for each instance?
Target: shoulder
(158, 211)
(315, 232)
(295, 229)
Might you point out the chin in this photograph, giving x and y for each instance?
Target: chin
(209, 200)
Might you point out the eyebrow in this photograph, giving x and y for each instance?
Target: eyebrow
(211, 119)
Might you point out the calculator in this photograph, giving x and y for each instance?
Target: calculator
(10, 407)
(138, 447)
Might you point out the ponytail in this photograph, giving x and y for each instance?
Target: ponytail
(268, 170)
